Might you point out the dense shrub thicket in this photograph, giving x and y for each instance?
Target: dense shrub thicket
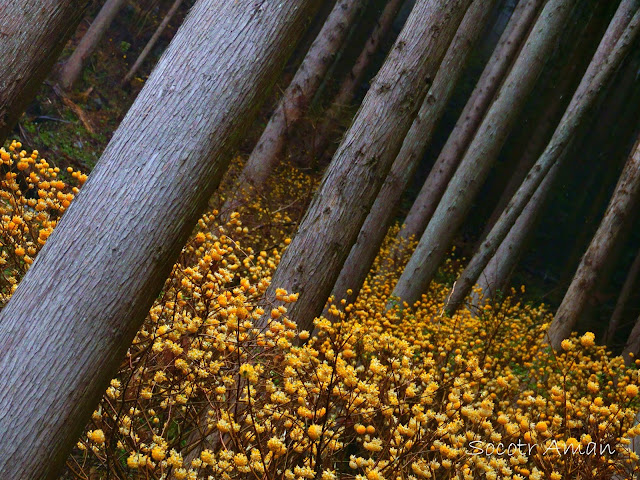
(370, 394)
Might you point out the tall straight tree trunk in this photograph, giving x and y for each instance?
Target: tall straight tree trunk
(492, 77)
(604, 242)
(380, 217)
(152, 41)
(67, 327)
(612, 49)
(298, 95)
(312, 262)
(482, 153)
(32, 35)
(354, 78)
(623, 300)
(73, 66)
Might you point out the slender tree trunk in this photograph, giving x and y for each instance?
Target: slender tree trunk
(479, 101)
(623, 300)
(601, 248)
(312, 262)
(632, 345)
(152, 41)
(73, 66)
(32, 35)
(496, 274)
(608, 57)
(380, 217)
(298, 95)
(67, 327)
(354, 78)
(482, 153)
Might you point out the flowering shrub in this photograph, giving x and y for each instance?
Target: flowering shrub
(220, 384)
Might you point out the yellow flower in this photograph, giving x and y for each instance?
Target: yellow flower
(631, 390)
(588, 340)
(96, 436)
(314, 431)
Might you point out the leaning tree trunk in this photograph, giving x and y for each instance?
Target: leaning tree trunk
(152, 41)
(297, 96)
(380, 217)
(623, 300)
(32, 35)
(354, 78)
(618, 213)
(632, 345)
(68, 325)
(73, 66)
(612, 49)
(481, 153)
(312, 262)
(492, 77)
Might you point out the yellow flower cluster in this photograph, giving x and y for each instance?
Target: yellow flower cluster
(209, 392)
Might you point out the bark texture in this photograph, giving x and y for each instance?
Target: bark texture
(374, 230)
(482, 153)
(355, 76)
(618, 213)
(32, 35)
(152, 41)
(73, 66)
(299, 93)
(492, 77)
(632, 345)
(69, 323)
(614, 46)
(621, 303)
(312, 262)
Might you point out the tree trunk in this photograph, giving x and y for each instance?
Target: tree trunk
(621, 303)
(632, 345)
(604, 242)
(350, 84)
(67, 327)
(608, 57)
(152, 41)
(312, 262)
(490, 80)
(32, 35)
(298, 95)
(482, 153)
(496, 274)
(380, 217)
(73, 66)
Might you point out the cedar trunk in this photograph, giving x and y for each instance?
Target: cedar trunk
(298, 95)
(612, 49)
(492, 77)
(352, 81)
(313, 260)
(68, 325)
(73, 66)
(152, 41)
(380, 217)
(602, 246)
(621, 303)
(482, 153)
(32, 35)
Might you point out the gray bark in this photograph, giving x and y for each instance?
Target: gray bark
(380, 217)
(614, 46)
(602, 245)
(73, 66)
(67, 327)
(482, 153)
(298, 95)
(32, 35)
(312, 262)
(492, 77)
(623, 299)
(354, 78)
(152, 41)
